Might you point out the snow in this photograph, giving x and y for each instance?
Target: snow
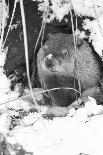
(59, 8)
(91, 8)
(86, 7)
(96, 34)
(81, 131)
(60, 136)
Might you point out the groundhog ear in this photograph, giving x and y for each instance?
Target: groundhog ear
(79, 42)
(49, 36)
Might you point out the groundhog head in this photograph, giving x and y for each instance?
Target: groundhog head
(60, 52)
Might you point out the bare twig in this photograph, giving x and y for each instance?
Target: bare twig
(3, 24)
(40, 92)
(15, 3)
(26, 52)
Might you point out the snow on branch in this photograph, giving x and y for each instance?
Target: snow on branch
(57, 9)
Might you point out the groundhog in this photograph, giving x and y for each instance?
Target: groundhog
(60, 66)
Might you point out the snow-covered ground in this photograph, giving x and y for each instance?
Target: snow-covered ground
(78, 133)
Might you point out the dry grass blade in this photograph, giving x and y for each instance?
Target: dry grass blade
(3, 24)
(26, 52)
(15, 3)
(41, 33)
(27, 63)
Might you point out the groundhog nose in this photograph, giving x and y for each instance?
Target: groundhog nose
(49, 61)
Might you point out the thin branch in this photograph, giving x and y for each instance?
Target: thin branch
(15, 3)
(26, 53)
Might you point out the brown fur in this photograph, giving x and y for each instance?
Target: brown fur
(57, 67)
